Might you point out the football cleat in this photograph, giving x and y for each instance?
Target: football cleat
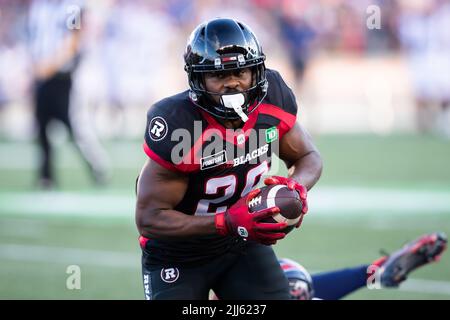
(395, 267)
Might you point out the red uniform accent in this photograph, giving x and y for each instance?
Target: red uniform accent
(287, 120)
(232, 134)
(192, 155)
(183, 167)
(143, 241)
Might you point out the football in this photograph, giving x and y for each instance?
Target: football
(282, 197)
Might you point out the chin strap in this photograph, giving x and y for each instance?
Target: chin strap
(235, 102)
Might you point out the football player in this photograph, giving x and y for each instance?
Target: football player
(389, 271)
(208, 147)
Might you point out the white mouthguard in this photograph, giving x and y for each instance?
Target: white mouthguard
(235, 102)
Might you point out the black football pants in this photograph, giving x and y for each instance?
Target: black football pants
(253, 274)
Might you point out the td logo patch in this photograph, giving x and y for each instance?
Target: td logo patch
(169, 275)
(157, 128)
(271, 134)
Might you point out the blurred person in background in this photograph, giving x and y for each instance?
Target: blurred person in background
(297, 35)
(12, 52)
(54, 46)
(424, 32)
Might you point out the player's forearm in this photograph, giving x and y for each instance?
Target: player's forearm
(307, 169)
(172, 224)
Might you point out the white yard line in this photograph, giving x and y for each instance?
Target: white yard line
(333, 200)
(116, 259)
(69, 256)
(71, 204)
(323, 201)
(24, 157)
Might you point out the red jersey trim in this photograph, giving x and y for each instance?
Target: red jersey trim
(232, 138)
(287, 120)
(182, 167)
(192, 155)
(143, 241)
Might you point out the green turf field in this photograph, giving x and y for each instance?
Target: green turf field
(375, 193)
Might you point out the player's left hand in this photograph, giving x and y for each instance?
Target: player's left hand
(293, 185)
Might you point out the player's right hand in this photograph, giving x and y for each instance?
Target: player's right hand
(239, 221)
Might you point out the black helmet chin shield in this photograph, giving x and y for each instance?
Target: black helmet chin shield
(222, 45)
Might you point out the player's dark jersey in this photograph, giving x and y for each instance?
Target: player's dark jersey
(223, 165)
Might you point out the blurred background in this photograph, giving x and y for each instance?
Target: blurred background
(372, 80)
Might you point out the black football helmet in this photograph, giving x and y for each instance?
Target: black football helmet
(222, 45)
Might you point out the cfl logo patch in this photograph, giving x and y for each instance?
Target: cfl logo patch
(169, 275)
(157, 128)
(242, 232)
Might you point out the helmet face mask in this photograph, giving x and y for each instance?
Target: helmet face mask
(224, 45)
(300, 281)
(299, 289)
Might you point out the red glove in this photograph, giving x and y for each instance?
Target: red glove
(293, 185)
(238, 220)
